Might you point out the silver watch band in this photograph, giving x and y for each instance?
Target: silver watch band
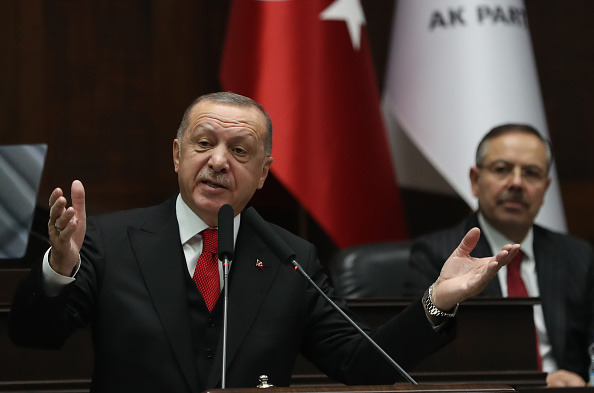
(434, 311)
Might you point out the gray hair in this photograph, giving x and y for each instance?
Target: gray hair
(230, 98)
(481, 150)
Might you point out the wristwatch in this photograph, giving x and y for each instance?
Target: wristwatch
(434, 311)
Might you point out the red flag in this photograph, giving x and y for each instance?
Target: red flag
(309, 64)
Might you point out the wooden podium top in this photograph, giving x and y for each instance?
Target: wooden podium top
(453, 388)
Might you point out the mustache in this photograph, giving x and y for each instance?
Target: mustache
(208, 174)
(512, 196)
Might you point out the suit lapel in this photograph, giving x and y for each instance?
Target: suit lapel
(551, 279)
(248, 287)
(160, 258)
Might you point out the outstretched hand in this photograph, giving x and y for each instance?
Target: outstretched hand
(66, 228)
(463, 276)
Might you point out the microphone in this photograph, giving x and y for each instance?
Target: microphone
(284, 252)
(226, 232)
(226, 255)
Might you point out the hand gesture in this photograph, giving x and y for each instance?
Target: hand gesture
(66, 228)
(463, 276)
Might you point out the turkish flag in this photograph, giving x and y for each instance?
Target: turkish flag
(309, 64)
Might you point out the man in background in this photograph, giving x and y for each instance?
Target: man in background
(510, 179)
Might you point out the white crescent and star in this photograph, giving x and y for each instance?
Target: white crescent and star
(349, 11)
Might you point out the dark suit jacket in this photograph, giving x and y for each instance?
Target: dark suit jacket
(565, 270)
(131, 289)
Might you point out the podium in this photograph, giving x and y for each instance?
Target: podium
(496, 343)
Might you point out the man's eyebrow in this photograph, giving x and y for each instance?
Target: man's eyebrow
(503, 161)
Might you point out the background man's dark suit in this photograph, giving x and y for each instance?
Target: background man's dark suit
(132, 288)
(565, 270)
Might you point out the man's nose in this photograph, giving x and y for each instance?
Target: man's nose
(219, 159)
(516, 177)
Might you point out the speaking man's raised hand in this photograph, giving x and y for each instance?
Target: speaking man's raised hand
(66, 228)
(463, 276)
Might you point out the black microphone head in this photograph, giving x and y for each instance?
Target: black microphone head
(226, 232)
(270, 237)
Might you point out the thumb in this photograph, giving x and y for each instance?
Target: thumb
(77, 193)
(469, 242)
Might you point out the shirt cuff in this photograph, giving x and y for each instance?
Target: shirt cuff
(52, 282)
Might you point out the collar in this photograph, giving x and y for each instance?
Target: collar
(497, 239)
(190, 224)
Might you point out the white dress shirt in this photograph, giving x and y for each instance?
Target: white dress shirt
(190, 225)
(496, 241)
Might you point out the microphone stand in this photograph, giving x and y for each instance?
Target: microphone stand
(225, 255)
(225, 314)
(298, 267)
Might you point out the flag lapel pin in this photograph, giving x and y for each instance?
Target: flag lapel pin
(259, 264)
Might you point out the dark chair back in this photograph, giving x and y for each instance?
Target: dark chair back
(370, 270)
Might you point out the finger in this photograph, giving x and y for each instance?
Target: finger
(469, 241)
(67, 223)
(56, 203)
(513, 252)
(62, 221)
(57, 209)
(507, 253)
(507, 247)
(57, 193)
(78, 199)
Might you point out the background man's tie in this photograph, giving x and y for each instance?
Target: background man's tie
(206, 275)
(515, 284)
(517, 288)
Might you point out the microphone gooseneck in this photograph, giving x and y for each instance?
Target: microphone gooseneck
(284, 252)
(226, 232)
(226, 256)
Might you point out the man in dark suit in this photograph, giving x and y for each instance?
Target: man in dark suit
(136, 276)
(510, 180)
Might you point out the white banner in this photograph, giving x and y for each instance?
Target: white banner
(456, 69)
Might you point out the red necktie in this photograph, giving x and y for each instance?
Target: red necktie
(206, 275)
(515, 284)
(516, 288)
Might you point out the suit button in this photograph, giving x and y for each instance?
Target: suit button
(208, 353)
(211, 322)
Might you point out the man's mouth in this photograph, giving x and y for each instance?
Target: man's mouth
(213, 179)
(213, 185)
(513, 203)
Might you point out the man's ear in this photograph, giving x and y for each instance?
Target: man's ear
(474, 179)
(549, 180)
(265, 171)
(176, 152)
